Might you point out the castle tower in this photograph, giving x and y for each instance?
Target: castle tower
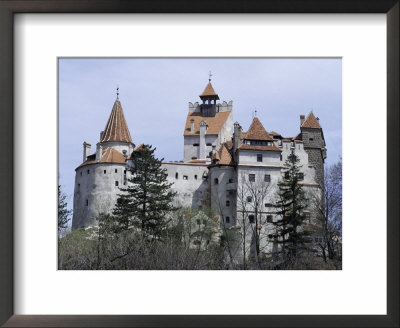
(99, 177)
(314, 144)
(208, 125)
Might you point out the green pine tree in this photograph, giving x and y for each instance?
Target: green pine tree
(63, 212)
(290, 207)
(147, 200)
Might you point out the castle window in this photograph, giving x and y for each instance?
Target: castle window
(208, 144)
(280, 143)
(194, 157)
(269, 218)
(105, 171)
(81, 173)
(195, 177)
(300, 176)
(280, 157)
(267, 178)
(88, 171)
(195, 145)
(252, 177)
(214, 146)
(87, 202)
(259, 157)
(176, 175)
(228, 203)
(79, 187)
(124, 171)
(268, 205)
(311, 139)
(215, 181)
(185, 177)
(249, 199)
(251, 218)
(230, 180)
(116, 183)
(116, 171)
(227, 219)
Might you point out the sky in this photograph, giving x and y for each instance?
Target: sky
(155, 92)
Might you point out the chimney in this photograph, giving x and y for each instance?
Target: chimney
(86, 150)
(99, 151)
(202, 145)
(237, 131)
(192, 125)
(302, 117)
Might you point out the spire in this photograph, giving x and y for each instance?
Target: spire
(257, 131)
(116, 128)
(311, 122)
(209, 92)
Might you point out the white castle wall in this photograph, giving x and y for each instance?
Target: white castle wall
(190, 181)
(96, 192)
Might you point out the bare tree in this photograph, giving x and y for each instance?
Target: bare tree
(328, 210)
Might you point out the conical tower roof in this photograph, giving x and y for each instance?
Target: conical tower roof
(209, 92)
(116, 128)
(311, 122)
(257, 132)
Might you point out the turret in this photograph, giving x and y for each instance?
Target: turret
(209, 97)
(314, 144)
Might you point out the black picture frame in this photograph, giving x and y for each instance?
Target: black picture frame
(7, 10)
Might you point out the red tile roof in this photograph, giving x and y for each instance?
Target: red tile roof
(109, 155)
(223, 156)
(257, 132)
(116, 128)
(209, 91)
(311, 122)
(214, 123)
(256, 147)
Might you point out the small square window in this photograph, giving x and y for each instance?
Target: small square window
(267, 178)
(185, 177)
(301, 176)
(195, 145)
(230, 181)
(269, 218)
(208, 144)
(216, 181)
(252, 177)
(251, 218)
(268, 205)
(259, 157)
(311, 139)
(194, 157)
(249, 199)
(195, 177)
(116, 183)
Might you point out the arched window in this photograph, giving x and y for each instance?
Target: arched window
(216, 181)
(227, 219)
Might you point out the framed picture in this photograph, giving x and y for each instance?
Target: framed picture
(155, 49)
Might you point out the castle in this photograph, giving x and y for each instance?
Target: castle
(220, 170)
